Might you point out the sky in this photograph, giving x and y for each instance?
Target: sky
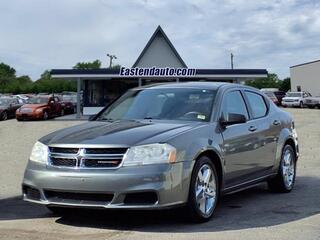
(36, 35)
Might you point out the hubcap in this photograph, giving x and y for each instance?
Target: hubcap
(205, 189)
(288, 168)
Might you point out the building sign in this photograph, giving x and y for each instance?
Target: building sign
(154, 71)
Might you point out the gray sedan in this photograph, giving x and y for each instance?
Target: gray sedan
(181, 144)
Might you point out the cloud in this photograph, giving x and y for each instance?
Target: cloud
(42, 34)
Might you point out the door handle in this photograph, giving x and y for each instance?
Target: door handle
(252, 128)
(276, 122)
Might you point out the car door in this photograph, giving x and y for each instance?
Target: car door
(265, 125)
(239, 143)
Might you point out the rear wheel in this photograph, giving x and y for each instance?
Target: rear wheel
(204, 190)
(284, 181)
(4, 115)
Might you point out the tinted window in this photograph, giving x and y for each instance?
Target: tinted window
(257, 103)
(233, 103)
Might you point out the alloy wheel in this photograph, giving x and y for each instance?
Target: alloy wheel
(206, 190)
(288, 168)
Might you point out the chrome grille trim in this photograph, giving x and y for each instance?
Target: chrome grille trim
(81, 156)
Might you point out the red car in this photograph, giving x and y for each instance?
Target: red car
(41, 107)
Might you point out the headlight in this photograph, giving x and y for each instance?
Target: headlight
(39, 110)
(150, 154)
(39, 153)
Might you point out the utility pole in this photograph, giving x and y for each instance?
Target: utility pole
(111, 58)
(231, 56)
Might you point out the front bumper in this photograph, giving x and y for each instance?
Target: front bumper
(29, 116)
(290, 104)
(168, 182)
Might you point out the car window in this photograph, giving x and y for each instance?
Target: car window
(257, 104)
(233, 103)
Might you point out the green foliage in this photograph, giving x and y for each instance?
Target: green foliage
(88, 65)
(272, 81)
(7, 71)
(285, 85)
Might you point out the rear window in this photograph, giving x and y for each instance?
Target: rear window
(257, 104)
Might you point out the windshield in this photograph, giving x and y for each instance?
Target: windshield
(294, 94)
(270, 94)
(38, 100)
(69, 98)
(167, 103)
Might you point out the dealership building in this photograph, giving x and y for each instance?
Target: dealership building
(306, 77)
(158, 62)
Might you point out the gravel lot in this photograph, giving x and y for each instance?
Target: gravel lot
(253, 214)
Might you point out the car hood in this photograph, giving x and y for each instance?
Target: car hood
(123, 132)
(34, 105)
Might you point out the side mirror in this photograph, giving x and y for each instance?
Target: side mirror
(233, 118)
(92, 117)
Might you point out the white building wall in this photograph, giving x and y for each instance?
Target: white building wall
(307, 76)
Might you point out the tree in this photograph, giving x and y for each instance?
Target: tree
(272, 81)
(88, 65)
(285, 85)
(7, 71)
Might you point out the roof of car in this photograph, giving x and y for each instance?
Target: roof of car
(207, 85)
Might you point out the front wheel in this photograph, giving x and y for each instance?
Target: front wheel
(204, 190)
(285, 179)
(301, 105)
(45, 115)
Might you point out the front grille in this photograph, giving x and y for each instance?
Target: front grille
(64, 162)
(86, 157)
(101, 163)
(57, 196)
(64, 150)
(106, 150)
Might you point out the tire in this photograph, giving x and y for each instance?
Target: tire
(285, 179)
(45, 115)
(4, 116)
(301, 105)
(62, 112)
(206, 190)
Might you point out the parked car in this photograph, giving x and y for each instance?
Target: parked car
(21, 98)
(179, 144)
(8, 107)
(279, 95)
(69, 103)
(295, 99)
(272, 97)
(40, 107)
(312, 102)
